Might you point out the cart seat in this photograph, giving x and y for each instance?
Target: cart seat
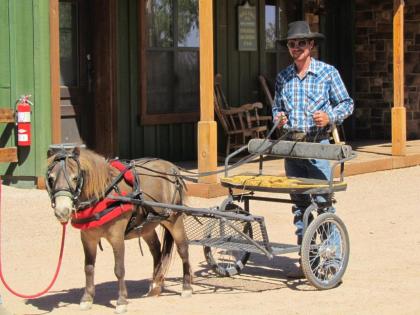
(281, 184)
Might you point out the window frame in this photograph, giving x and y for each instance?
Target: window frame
(162, 118)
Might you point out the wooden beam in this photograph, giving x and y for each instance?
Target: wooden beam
(7, 115)
(8, 155)
(55, 72)
(207, 127)
(398, 120)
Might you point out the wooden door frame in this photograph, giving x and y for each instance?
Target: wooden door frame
(105, 94)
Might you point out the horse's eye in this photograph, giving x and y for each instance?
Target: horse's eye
(74, 178)
(51, 180)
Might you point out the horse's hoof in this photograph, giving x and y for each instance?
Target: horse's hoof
(155, 290)
(186, 293)
(120, 309)
(85, 306)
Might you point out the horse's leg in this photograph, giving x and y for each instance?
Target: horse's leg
(152, 241)
(118, 248)
(90, 243)
(178, 233)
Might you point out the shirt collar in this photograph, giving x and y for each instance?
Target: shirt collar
(313, 68)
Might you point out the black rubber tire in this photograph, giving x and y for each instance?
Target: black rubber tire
(325, 273)
(238, 261)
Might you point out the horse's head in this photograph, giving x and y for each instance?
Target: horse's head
(64, 182)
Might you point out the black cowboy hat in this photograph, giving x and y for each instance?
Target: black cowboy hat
(300, 29)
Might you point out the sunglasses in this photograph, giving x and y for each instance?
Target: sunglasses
(301, 43)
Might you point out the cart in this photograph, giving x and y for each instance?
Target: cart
(230, 233)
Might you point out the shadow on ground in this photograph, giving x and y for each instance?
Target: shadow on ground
(259, 275)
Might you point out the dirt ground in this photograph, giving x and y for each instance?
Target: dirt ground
(381, 212)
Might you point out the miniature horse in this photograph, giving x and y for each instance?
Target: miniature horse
(81, 177)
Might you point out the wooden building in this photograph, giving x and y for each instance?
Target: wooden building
(123, 76)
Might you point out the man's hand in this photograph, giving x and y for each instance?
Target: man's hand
(283, 119)
(321, 119)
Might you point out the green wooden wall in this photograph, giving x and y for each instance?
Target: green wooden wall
(25, 69)
(239, 69)
(173, 142)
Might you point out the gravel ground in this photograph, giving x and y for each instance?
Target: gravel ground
(381, 212)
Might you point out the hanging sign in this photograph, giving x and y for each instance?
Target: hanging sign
(247, 28)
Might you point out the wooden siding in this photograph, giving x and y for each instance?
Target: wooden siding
(24, 69)
(239, 69)
(174, 142)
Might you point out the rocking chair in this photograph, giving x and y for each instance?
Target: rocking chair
(239, 123)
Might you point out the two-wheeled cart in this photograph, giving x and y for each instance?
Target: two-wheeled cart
(230, 233)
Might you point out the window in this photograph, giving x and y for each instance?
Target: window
(170, 61)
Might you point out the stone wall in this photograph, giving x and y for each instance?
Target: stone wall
(373, 73)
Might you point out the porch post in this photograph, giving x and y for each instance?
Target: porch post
(207, 127)
(55, 72)
(398, 121)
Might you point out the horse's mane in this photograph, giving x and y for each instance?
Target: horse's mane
(97, 174)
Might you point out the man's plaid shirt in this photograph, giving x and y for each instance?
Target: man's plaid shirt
(321, 89)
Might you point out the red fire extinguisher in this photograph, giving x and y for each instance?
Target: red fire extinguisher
(23, 121)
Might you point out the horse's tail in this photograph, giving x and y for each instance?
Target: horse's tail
(167, 250)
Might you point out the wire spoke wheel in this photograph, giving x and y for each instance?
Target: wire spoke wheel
(325, 251)
(228, 262)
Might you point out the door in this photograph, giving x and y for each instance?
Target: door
(76, 101)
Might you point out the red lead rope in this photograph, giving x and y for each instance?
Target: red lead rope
(33, 296)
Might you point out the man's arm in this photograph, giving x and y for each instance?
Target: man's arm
(341, 102)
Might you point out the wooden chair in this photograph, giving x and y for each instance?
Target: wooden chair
(239, 123)
(268, 91)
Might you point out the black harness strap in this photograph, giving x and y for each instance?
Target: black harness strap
(136, 186)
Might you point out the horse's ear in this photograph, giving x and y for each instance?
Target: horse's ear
(76, 151)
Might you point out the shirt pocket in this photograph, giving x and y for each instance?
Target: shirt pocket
(286, 98)
(316, 101)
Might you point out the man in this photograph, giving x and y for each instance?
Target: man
(309, 98)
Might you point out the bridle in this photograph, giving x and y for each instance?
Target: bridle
(73, 192)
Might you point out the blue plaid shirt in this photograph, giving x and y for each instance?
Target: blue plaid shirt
(321, 89)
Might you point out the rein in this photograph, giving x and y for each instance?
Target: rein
(57, 270)
(193, 176)
(113, 186)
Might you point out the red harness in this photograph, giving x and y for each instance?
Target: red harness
(106, 209)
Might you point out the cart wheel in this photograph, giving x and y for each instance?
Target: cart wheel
(325, 251)
(228, 262)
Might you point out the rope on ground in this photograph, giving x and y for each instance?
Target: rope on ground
(36, 295)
